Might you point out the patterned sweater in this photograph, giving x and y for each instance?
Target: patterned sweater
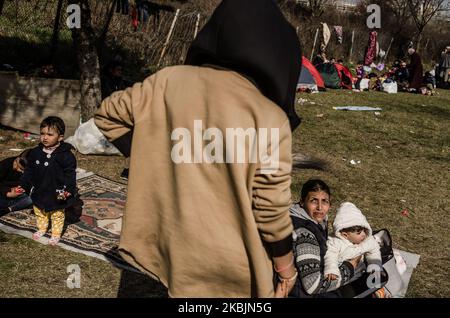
(309, 250)
(310, 268)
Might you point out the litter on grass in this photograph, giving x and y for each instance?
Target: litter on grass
(358, 108)
(301, 101)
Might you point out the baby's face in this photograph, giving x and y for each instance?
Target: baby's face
(355, 237)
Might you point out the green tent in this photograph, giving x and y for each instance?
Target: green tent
(330, 75)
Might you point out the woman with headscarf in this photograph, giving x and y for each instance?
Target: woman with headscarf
(197, 219)
(415, 70)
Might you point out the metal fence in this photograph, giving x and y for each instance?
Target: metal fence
(150, 40)
(155, 40)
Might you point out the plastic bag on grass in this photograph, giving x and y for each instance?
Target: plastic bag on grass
(90, 141)
(390, 87)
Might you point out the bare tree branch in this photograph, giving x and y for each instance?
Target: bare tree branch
(423, 11)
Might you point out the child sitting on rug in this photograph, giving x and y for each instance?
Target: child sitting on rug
(353, 238)
(51, 176)
(11, 170)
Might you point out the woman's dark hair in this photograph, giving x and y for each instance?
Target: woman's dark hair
(314, 185)
(54, 122)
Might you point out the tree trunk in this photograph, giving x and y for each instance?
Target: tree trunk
(55, 35)
(419, 39)
(101, 39)
(2, 2)
(87, 57)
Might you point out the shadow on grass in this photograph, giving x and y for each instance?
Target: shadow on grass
(437, 111)
(135, 285)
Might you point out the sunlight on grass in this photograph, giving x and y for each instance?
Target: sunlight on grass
(405, 156)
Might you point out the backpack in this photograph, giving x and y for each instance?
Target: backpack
(383, 238)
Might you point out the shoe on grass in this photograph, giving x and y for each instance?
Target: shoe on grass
(37, 235)
(54, 240)
(124, 174)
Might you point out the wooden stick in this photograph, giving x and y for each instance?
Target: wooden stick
(314, 45)
(351, 47)
(196, 25)
(389, 48)
(169, 35)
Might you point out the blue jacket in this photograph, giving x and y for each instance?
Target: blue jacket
(47, 173)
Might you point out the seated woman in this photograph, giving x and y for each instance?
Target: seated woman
(11, 170)
(309, 218)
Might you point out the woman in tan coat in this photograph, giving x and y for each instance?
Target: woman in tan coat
(208, 201)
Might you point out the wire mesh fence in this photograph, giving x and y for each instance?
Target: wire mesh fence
(144, 38)
(151, 39)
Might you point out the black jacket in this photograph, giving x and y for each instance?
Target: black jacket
(8, 177)
(402, 74)
(47, 173)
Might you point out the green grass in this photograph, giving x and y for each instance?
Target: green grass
(409, 169)
(30, 269)
(405, 156)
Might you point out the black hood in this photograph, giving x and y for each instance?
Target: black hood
(254, 39)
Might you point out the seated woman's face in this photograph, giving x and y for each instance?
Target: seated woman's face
(317, 205)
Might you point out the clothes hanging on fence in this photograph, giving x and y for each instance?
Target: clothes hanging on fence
(142, 11)
(134, 18)
(2, 2)
(123, 7)
(339, 33)
(326, 36)
(151, 9)
(371, 50)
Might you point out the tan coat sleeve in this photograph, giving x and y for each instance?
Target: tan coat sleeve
(272, 194)
(118, 113)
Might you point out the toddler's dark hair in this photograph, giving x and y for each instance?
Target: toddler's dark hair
(54, 122)
(354, 229)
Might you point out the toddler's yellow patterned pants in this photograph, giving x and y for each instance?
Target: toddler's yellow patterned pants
(43, 219)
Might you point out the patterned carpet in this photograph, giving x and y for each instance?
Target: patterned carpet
(95, 232)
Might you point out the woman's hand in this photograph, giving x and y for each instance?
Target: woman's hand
(285, 286)
(281, 290)
(13, 193)
(330, 277)
(287, 274)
